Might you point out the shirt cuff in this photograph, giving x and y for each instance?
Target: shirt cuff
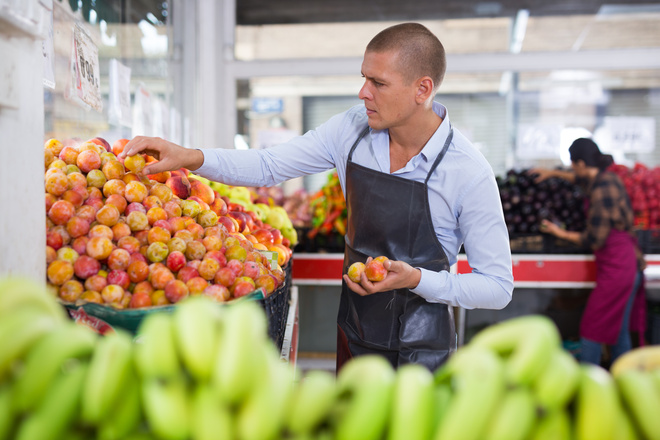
(210, 164)
(430, 284)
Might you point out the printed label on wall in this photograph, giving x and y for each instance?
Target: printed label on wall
(87, 74)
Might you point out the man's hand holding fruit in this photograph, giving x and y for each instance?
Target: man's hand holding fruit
(381, 274)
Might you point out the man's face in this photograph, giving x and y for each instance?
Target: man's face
(389, 99)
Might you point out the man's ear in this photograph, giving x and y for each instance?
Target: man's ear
(424, 89)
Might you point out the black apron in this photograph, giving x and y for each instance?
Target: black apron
(389, 215)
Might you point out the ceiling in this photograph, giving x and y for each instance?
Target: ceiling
(260, 12)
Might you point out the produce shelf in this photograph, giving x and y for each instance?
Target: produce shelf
(567, 271)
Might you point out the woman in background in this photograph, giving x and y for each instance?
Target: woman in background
(609, 233)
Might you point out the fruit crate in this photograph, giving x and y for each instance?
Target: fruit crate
(649, 240)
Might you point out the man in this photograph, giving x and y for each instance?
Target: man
(416, 189)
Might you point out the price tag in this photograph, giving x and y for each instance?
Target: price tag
(272, 258)
(87, 75)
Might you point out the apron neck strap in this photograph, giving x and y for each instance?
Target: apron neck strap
(357, 141)
(450, 136)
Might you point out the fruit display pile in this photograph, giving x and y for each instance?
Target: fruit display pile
(643, 187)
(525, 203)
(328, 206)
(206, 372)
(117, 238)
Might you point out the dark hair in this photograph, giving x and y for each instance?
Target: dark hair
(586, 150)
(420, 52)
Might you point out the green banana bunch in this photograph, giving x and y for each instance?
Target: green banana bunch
(646, 358)
(261, 416)
(413, 400)
(125, 414)
(109, 371)
(514, 418)
(19, 331)
(311, 402)
(527, 342)
(555, 387)
(554, 425)
(19, 293)
(365, 387)
(59, 407)
(242, 341)
(166, 407)
(625, 429)
(46, 359)
(196, 331)
(476, 375)
(211, 419)
(6, 410)
(642, 400)
(597, 407)
(155, 348)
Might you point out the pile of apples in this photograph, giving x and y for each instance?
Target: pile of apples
(119, 238)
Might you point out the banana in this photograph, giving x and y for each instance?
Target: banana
(261, 417)
(18, 292)
(166, 407)
(642, 400)
(155, 348)
(477, 379)
(527, 342)
(241, 341)
(365, 387)
(7, 415)
(554, 425)
(211, 419)
(46, 359)
(442, 395)
(414, 395)
(19, 332)
(311, 403)
(58, 410)
(125, 415)
(109, 370)
(514, 418)
(625, 429)
(645, 358)
(558, 381)
(597, 405)
(196, 332)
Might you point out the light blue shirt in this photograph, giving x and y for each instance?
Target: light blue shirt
(463, 196)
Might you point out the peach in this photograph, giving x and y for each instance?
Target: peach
(96, 283)
(158, 234)
(229, 223)
(99, 247)
(113, 170)
(118, 259)
(118, 146)
(208, 268)
(264, 236)
(120, 230)
(57, 183)
(159, 277)
(137, 271)
(172, 209)
(235, 266)
(59, 272)
(88, 160)
(251, 269)
(218, 206)
(86, 266)
(54, 146)
(195, 250)
(118, 201)
(162, 191)
(175, 291)
(201, 190)
(135, 192)
(129, 243)
(69, 155)
(186, 273)
(137, 221)
(71, 290)
(180, 186)
(135, 206)
(207, 218)
(101, 142)
(152, 202)
(375, 271)
(134, 163)
(100, 231)
(112, 293)
(91, 296)
(176, 244)
(114, 186)
(196, 285)
(160, 177)
(156, 213)
(119, 278)
(225, 276)
(355, 271)
(266, 282)
(77, 226)
(61, 212)
(157, 252)
(139, 300)
(217, 292)
(79, 244)
(108, 215)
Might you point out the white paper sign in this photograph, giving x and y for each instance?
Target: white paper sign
(143, 123)
(627, 134)
(49, 54)
(86, 78)
(538, 141)
(119, 111)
